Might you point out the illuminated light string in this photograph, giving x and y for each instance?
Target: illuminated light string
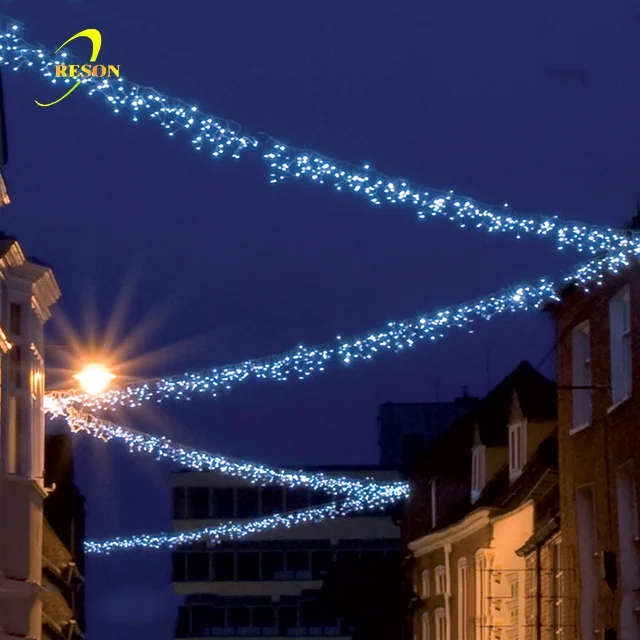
(368, 490)
(218, 136)
(233, 531)
(303, 362)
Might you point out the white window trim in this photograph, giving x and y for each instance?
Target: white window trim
(440, 579)
(576, 394)
(463, 598)
(478, 471)
(424, 584)
(517, 465)
(440, 615)
(623, 294)
(424, 620)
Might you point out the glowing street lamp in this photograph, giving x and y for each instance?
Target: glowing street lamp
(94, 378)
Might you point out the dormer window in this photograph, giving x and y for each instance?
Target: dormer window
(478, 471)
(517, 449)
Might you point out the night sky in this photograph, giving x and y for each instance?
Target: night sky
(191, 262)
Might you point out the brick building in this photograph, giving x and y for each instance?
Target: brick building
(598, 360)
(477, 494)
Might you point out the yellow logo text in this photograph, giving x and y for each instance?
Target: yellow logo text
(83, 70)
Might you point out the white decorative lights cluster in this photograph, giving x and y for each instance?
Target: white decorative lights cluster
(348, 495)
(233, 531)
(303, 361)
(163, 448)
(218, 136)
(614, 250)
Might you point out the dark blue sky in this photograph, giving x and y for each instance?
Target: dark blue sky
(451, 94)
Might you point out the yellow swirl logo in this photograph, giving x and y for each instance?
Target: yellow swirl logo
(84, 70)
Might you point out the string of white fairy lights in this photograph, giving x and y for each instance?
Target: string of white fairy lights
(303, 362)
(218, 137)
(346, 495)
(164, 449)
(223, 137)
(233, 531)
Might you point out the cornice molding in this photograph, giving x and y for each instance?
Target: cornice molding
(472, 523)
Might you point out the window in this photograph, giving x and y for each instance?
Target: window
(297, 561)
(15, 366)
(198, 566)
(264, 617)
(272, 564)
(481, 595)
(15, 319)
(248, 505)
(517, 449)
(297, 499)
(477, 471)
(14, 445)
(556, 590)
(441, 624)
(224, 566)
(321, 563)
(198, 506)
(581, 376)
(620, 337)
(424, 584)
(223, 503)
(249, 566)
(440, 580)
(425, 626)
(463, 599)
(629, 558)
(272, 500)
(179, 503)
(587, 554)
(513, 606)
(238, 616)
(178, 569)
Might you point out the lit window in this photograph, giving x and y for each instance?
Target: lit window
(620, 337)
(463, 599)
(477, 472)
(440, 580)
(424, 584)
(581, 376)
(425, 626)
(441, 624)
(517, 449)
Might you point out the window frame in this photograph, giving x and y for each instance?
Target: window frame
(424, 584)
(517, 448)
(424, 623)
(463, 598)
(478, 470)
(621, 379)
(440, 617)
(581, 377)
(440, 580)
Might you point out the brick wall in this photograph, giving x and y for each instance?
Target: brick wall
(593, 455)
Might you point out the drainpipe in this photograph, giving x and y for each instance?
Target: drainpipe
(447, 593)
(538, 592)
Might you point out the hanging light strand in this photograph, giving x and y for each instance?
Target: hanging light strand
(235, 531)
(303, 361)
(218, 137)
(164, 449)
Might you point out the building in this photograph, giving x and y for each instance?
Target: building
(269, 585)
(27, 291)
(478, 494)
(62, 551)
(406, 428)
(598, 362)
